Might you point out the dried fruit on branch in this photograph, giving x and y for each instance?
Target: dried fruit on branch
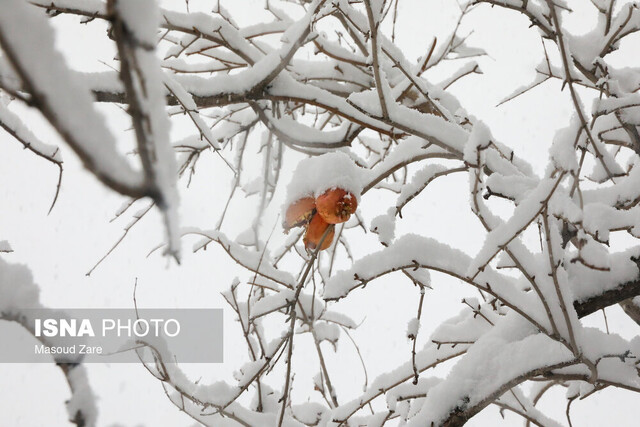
(299, 213)
(315, 231)
(336, 205)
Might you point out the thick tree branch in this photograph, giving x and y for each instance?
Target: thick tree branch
(613, 296)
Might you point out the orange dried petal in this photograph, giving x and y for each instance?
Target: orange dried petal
(336, 205)
(299, 213)
(315, 231)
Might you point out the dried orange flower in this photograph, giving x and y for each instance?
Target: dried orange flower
(336, 205)
(315, 231)
(299, 213)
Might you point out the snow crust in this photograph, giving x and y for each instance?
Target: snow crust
(67, 97)
(315, 175)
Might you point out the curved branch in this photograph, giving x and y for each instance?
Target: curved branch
(460, 416)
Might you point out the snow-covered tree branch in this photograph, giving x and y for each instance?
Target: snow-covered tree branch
(317, 125)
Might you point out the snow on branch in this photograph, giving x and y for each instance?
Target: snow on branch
(5, 246)
(11, 123)
(134, 26)
(523, 215)
(323, 79)
(19, 294)
(412, 251)
(488, 370)
(63, 99)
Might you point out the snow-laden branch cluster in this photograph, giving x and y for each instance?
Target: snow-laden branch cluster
(399, 131)
(20, 295)
(33, 70)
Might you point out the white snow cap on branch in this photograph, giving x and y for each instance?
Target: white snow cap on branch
(68, 99)
(10, 121)
(412, 327)
(17, 288)
(524, 213)
(142, 17)
(385, 227)
(5, 246)
(478, 140)
(562, 152)
(315, 175)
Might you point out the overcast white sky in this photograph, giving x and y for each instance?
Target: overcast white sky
(61, 247)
